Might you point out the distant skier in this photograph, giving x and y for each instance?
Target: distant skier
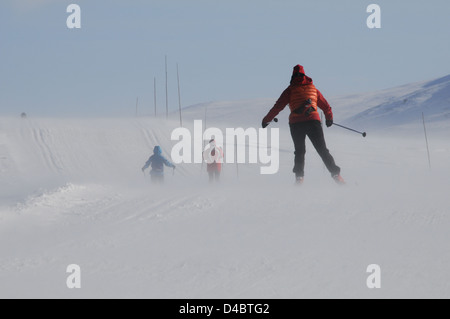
(213, 156)
(303, 99)
(157, 162)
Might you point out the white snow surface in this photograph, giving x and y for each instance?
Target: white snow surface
(71, 192)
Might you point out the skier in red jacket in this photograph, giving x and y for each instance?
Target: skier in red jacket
(303, 99)
(213, 156)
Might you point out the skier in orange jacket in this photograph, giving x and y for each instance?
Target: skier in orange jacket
(304, 99)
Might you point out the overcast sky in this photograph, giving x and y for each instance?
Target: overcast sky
(226, 50)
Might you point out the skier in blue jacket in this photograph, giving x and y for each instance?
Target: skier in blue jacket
(157, 162)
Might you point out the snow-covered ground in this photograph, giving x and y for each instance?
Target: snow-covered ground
(72, 193)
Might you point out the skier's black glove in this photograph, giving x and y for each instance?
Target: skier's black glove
(329, 123)
(143, 170)
(264, 124)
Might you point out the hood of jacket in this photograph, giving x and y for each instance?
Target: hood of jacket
(157, 150)
(301, 80)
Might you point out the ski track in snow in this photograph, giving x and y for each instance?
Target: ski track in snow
(82, 199)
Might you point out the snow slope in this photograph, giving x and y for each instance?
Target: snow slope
(432, 98)
(387, 109)
(71, 192)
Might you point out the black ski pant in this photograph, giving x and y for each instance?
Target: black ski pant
(312, 129)
(214, 176)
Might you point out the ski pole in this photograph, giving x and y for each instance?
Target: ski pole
(364, 134)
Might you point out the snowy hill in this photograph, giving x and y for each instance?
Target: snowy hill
(407, 104)
(71, 192)
(241, 112)
(374, 110)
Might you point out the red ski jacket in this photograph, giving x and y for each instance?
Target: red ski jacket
(297, 95)
(216, 165)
